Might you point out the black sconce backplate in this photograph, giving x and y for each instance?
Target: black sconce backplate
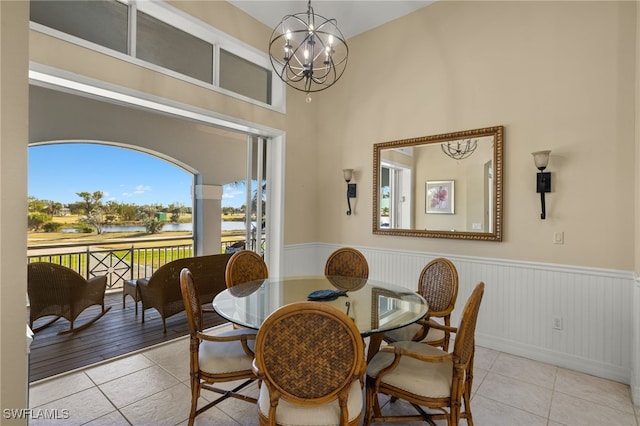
(543, 182)
(351, 190)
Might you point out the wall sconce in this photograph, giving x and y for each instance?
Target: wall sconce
(351, 187)
(543, 179)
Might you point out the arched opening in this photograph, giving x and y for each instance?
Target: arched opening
(111, 200)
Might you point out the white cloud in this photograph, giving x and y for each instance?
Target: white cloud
(138, 190)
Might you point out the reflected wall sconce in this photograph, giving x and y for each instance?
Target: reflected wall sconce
(351, 187)
(543, 179)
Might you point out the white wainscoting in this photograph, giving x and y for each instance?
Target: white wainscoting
(598, 335)
(635, 365)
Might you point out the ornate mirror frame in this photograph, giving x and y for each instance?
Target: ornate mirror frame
(493, 135)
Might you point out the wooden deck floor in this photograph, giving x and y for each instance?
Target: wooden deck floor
(118, 332)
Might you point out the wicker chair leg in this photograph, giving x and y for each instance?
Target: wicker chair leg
(130, 288)
(86, 325)
(43, 326)
(370, 403)
(194, 400)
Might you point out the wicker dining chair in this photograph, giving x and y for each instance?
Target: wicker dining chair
(347, 262)
(226, 356)
(426, 376)
(310, 366)
(58, 291)
(438, 284)
(245, 266)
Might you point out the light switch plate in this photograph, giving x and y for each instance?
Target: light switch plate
(558, 238)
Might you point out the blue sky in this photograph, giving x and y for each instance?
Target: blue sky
(58, 171)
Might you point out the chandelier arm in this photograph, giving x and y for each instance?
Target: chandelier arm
(322, 78)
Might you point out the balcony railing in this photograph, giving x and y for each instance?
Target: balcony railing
(123, 260)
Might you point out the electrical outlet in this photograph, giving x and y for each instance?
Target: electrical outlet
(557, 323)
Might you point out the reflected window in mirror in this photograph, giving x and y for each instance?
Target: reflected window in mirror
(395, 193)
(409, 173)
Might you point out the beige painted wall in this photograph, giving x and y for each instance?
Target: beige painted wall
(13, 200)
(557, 75)
(637, 155)
(469, 187)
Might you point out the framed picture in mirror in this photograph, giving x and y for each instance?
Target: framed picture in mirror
(440, 197)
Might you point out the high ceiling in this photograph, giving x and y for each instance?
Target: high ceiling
(353, 16)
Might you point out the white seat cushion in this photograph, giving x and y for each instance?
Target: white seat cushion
(288, 414)
(429, 379)
(225, 357)
(407, 333)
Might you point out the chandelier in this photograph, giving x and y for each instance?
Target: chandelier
(308, 51)
(459, 150)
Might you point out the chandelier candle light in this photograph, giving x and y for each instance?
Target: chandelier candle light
(308, 51)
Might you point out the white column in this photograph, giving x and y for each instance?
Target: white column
(207, 223)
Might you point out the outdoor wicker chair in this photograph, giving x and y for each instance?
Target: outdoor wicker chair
(55, 290)
(214, 358)
(347, 262)
(438, 284)
(426, 376)
(162, 290)
(310, 364)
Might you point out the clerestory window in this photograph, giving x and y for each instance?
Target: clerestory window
(159, 36)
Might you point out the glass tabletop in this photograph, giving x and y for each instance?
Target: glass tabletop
(374, 306)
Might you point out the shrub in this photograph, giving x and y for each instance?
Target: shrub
(153, 225)
(52, 227)
(85, 228)
(35, 221)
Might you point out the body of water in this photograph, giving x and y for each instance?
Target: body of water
(167, 227)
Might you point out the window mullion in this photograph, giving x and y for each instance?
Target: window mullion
(216, 64)
(249, 189)
(132, 34)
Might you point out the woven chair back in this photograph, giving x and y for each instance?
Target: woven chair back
(309, 353)
(438, 285)
(465, 337)
(55, 282)
(347, 262)
(245, 266)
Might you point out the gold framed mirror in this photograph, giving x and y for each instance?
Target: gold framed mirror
(440, 186)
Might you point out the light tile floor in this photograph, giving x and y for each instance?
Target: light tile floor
(151, 387)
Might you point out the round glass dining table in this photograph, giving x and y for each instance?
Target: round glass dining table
(374, 306)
